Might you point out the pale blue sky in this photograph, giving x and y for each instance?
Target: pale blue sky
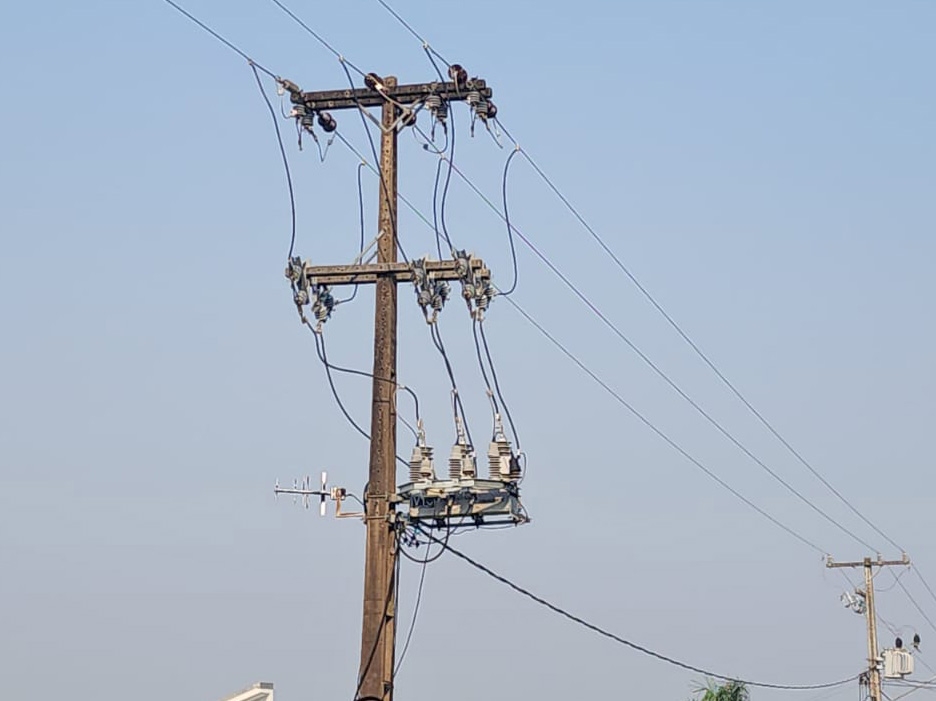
(766, 169)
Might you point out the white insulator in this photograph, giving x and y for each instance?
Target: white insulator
(420, 464)
(461, 463)
(499, 454)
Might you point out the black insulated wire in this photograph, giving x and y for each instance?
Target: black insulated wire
(459, 408)
(497, 389)
(510, 237)
(282, 149)
(623, 641)
(360, 192)
(435, 208)
(484, 374)
(323, 356)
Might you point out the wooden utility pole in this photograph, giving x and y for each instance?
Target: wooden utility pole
(378, 635)
(378, 639)
(874, 656)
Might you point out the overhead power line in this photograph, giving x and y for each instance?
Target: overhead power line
(658, 370)
(621, 640)
(604, 385)
(659, 432)
(695, 347)
(914, 602)
(220, 38)
(660, 309)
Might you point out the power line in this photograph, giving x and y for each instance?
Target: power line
(925, 583)
(688, 340)
(623, 641)
(658, 370)
(220, 38)
(914, 602)
(668, 317)
(318, 37)
(669, 441)
(659, 432)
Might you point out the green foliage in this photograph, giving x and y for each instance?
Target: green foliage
(729, 691)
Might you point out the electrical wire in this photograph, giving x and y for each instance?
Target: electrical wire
(661, 373)
(913, 601)
(318, 37)
(220, 38)
(371, 376)
(925, 583)
(412, 625)
(435, 209)
(882, 590)
(623, 641)
(503, 403)
(913, 687)
(392, 594)
(360, 191)
(448, 179)
(698, 351)
(668, 317)
(669, 441)
(384, 188)
(510, 238)
(345, 64)
(320, 350)
(659, 432)
(282, 149)
(457, 402)
(484, 374)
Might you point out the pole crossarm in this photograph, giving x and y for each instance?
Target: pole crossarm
(869, 562)
(400, 272)
(405, 94)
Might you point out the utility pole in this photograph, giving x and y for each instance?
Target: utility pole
(399, 104)
(378, 636)
(874, 657)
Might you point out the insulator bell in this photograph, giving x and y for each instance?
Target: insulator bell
(461, 462)
(499, 459)
(421, 467)
(327, 122)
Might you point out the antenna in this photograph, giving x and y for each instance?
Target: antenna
(302, 490)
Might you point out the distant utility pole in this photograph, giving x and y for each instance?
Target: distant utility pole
(379, 625)
(874, 657)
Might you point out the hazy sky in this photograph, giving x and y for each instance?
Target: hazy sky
(765, 169)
